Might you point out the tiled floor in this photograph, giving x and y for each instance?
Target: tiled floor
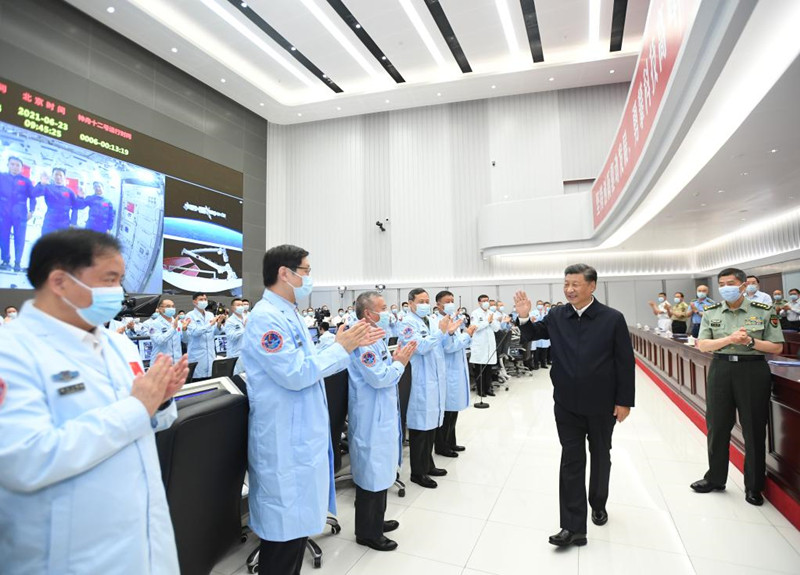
(499, 503)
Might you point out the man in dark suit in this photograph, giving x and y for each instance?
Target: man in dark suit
(593, 388)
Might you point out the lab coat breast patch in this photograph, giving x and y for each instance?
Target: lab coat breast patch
(272, 342)
(369, 359)
(408, 332)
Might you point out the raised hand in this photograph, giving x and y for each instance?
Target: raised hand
(150, 388)
(350, 338)
(403, 353)
(179, 372)
(740, 336)
(522, 304)
(444, 323)
(454, 325)
(472, 329)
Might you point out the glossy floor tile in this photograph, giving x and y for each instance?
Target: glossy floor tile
(493, 512)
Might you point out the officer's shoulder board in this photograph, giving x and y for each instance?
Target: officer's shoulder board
(759, 305)
(715, 306)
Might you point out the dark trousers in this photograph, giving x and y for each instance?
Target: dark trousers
(744, 387)
(446, 434)
(695, 330)
(370, 510)
(420, 447)
(483, 378)
(678, 326)
(281, 557)
(573, 429)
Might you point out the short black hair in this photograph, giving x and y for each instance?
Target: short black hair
(234, 300)
(662, 293)
(285, 255)
(245, 300)
(589, 273)
(795, 289)
(735, 272)
(8, 307)
(180, 311)
(198, 294)
(752, 276)
(480, 297)
(162, 300)
(62, 170)
(69, 250)
(680, 293)
(414, 293)
(14, 158)
(324, 326)
(442, 294)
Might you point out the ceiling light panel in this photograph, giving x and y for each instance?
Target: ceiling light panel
(425, 33)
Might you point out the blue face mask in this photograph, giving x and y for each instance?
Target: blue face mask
(383, 323)
(660, 299)
(752, 288)
(701, 295)
(676, 299)
(106, 303)
(305, 289)
(239, 309)
(449, 308)
(169, 311)
(502, 308)
(539, 306)
(730, 293)
(423, 309)
(202, 305)
(777, 297)
(792, 297)
(485, 305)
(492, 308)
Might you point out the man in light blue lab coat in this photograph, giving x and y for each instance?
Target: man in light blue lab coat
(483, 352)
(289, 449)
(234, 331)
(428, 384)
(455, 361)
(165, 331)
(80, 482)
(326, 338)
(200, 333)
(374, 429)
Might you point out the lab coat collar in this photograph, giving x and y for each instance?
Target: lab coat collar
(278, 301)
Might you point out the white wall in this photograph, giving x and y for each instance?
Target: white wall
(429, 171)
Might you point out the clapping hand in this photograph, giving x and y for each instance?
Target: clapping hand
(740, 336)
(444, 323)
(151, 388)
(454, 325)
(522, 304)
(179, 372)
(472, 329)
(358, 335)
(403, 353)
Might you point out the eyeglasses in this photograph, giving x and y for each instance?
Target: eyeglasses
(307, 269)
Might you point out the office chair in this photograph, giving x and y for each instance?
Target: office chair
(192, 367)
(203, 458)
(223, 367)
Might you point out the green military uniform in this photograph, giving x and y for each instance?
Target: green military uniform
(781, 303)
(681, 312)
(739, 379)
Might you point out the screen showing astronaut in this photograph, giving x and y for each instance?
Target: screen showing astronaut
(177, 216)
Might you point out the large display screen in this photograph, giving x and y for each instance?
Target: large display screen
(177, 216)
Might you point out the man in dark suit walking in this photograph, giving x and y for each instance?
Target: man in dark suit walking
(593, 388)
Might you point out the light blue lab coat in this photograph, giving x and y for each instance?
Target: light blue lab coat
(455, 361)
(80, 481)
(200, 341)
(325, 341)
(428, 374)
(234, 331)
(373, 416)
(166, 339)
(484, 345)
(289, 449)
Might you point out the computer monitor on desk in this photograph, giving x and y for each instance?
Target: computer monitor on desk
(314, 333)
(145, 350)
(221, 344)
(333, 329)
(207, 386)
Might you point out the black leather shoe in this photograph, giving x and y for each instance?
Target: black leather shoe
(382, 544)
(599, 516)
(437, 472)
(705, 486)
(390, 525)
(490, 393)
(424, 481)
(447, 453)
(544, 366)
(754, 497)
(459, 448)
(564, 538)
(535, 366)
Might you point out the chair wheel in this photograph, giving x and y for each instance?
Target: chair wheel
(336, 529)
(317, 562)
(506, 388)
(402, 493)
(243, 538)
(252, 568)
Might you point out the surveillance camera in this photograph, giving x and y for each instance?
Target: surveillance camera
(380, 225)
(493, 163)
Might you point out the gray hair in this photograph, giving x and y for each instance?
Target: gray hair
(589, 273)
(364, 301)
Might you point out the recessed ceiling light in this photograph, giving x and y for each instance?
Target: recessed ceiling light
(550, 79)
(493, 86)
(744, 219)
(339, 108)
(383, 57)
(773, 150)
(174, 50)
(299, 115)
(294, 49)
(703, 205)
(222, 80)
(720, 191)
(387, 101)
(745, 173)
(325, 76)
(261, 103)
(244, 4)
(358, 26)
(111, 9)
(438, 93)
(611, 71)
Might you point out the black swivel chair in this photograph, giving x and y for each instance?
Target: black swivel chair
(223, 367)
(203, 459)
(192, 367)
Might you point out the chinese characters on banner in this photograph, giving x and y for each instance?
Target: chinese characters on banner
(667, 24)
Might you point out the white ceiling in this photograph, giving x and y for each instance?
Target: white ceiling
(214, 40)
(756, 183)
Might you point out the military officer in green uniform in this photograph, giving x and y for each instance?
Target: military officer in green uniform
(739, 332)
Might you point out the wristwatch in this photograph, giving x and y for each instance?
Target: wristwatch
(752, 344)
